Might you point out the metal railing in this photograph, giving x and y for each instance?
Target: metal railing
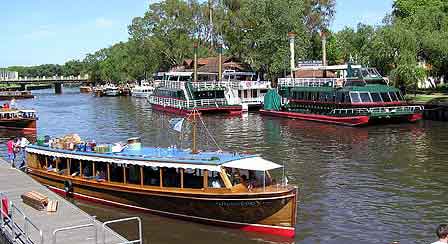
(140, 233)
(183, 104)
(241, 85)
(309, 82)
(76, 227)
(376, 110)
(43, 78)
(10, 224)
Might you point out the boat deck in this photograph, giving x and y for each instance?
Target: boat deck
(14, 183)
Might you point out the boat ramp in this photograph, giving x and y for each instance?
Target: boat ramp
(69, 224)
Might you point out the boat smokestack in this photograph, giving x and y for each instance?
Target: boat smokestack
(195, 73)
(219, 62)
(291, 37)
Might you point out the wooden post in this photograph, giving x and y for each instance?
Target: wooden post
(124, 173)
(69, 160)
(56, 164)
(80, 168)
(108, 172)
(46, 162)
(181, 178)
(226, 179)
(205, 178)
(141, 176)
(161, 177)
(93, 167)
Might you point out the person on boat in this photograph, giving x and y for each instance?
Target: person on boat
(442, 234)
(11, 155)
(5, 106)
(13, 104)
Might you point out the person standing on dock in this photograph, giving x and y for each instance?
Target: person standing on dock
(11, 155)
(23, 143)
(442, 234)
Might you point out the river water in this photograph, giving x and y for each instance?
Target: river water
(375, 184)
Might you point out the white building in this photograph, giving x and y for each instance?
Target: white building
(9, 75)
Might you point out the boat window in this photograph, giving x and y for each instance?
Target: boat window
(151, 176)
(116, 173)
(393, 96)
(171, 177)
(254, 93)
(133, 174)
(245, 94)
(215, 180)
(354, 96)
(346, 97)
(184, 78)
(193, 178)
(376, 97)
(365, 97)
(385, 97)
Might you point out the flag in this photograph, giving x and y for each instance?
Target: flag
(176, 124)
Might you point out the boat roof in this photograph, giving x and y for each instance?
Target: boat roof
(164, 157)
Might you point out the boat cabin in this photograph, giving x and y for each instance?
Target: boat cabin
(163, 169)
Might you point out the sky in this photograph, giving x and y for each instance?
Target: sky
(34, 32)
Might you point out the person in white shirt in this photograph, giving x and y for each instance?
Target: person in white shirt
(442, 234)
(23, 143)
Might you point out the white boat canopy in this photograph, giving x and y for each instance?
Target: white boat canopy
(252, 163)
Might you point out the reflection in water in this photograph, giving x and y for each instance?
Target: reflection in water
(373, 184)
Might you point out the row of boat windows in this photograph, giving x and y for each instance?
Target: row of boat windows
(197, 94)
(348, 97)
(130, 174)
(253, 93)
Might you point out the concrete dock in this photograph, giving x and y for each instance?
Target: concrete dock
(14, 183)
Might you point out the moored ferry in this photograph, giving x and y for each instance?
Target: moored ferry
(247, 87)
(179, 93)
(143, 90)
(362, 97)
(226, 189)
(18, 119)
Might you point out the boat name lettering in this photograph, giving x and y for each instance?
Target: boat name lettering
(238, 203)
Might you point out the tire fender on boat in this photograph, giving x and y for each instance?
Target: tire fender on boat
(68, 187)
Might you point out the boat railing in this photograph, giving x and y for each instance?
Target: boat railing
(250, 84)
(310, 82)
(76, 227)
(16, 225)
(172, 84)
(259, 99)
(208, 85)
(176, 103)
(377, 110)
(207, 102)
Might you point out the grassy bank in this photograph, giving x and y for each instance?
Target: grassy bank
(425, 98)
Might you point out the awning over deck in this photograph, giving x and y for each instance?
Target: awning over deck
(121, 160)
(253, 163)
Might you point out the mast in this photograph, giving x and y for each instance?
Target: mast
(194, 149)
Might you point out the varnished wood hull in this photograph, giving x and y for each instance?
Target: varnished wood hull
(272, 213)
(25, 125)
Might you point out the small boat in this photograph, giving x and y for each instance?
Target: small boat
(143, 90)
(362, 97)
(85, 89)
(221, 188)
(111, 90)
(18, 119)
(179, 94)
(8, 95)
(249, 90)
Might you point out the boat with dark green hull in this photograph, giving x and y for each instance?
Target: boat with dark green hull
(362, 97)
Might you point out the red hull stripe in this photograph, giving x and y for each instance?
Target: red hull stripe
(268, 229)
(350, 121)
(230, 110)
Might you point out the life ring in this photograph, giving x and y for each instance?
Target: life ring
(68, 187)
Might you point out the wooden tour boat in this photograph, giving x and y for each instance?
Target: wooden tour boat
(18, 119)
(227, 189)
(8, 95)
(362, 97)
